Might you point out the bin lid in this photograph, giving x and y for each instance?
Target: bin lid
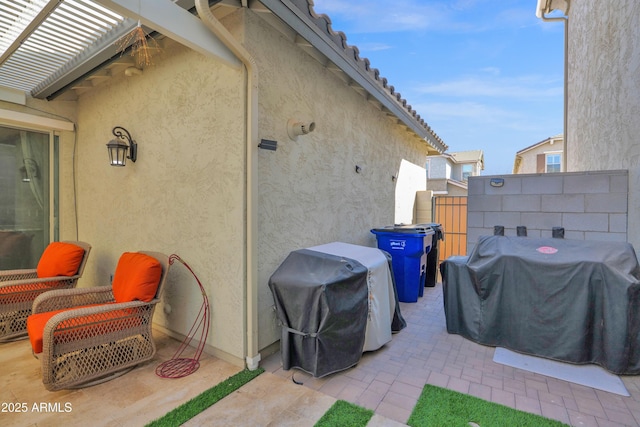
(438, 228)
(404, 229)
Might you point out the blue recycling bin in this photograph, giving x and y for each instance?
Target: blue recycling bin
(408, 248)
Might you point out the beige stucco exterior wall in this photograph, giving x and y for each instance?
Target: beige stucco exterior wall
(530, 158)
(185, 193)
(604, 93)
(454, 190)
(445, 187)
(309, 191)
(437, 185)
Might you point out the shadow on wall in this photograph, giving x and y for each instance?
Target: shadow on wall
(410, 179)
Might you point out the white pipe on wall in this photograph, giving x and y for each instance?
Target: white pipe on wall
(251, 351)
(540, 13)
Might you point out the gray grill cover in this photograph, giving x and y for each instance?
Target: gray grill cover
(322, 303)
(580, 304)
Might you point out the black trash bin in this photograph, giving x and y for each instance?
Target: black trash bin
(431, 272)
(432, 256)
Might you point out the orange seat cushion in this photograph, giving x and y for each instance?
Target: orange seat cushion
(137, 277)
(35, 328)
(60, 259)
(22, 293)
(116, 319)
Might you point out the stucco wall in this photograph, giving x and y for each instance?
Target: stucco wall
(604, 93)
(439, 168)
(184, 194)
(454, 190)
(309, 192)
(456, 172)
(530, 158)
(437, 185)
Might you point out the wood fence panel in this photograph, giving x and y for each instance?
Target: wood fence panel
(451, 212)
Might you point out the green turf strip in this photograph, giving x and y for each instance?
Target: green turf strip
(441, 407)
(193, 407)
(345, 414)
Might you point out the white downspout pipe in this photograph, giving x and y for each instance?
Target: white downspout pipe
(565, 20)
(251, 351)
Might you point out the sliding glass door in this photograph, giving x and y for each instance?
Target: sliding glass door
(25, 201)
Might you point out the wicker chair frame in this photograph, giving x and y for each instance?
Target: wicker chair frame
(18, 290)
(85, 346)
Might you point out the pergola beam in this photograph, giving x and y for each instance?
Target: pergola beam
(172, 21)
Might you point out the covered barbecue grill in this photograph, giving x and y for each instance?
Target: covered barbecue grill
(334, 302)
(570, 300)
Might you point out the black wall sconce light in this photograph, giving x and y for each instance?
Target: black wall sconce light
(118, 147)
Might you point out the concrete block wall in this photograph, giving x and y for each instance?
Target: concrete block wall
(589, 205)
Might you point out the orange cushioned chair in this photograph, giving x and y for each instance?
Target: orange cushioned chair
(60, 267)
(90, 335)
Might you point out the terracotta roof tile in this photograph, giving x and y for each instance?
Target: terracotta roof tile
(323, 22)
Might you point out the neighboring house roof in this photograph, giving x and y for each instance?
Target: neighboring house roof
(459, 157)
(462, 184)
(472, 156)
(558, 137)
(441, 185)
(78, 69)
(517, 163)
(358, 69)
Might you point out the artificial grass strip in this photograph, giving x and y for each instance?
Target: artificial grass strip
(193, 407)
(442, 407)
(345, 414)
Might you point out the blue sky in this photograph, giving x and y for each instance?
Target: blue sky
(484, 74)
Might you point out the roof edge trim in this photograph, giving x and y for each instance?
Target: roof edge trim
(300, 15)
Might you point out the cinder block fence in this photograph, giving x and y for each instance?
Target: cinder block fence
(588, 205)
